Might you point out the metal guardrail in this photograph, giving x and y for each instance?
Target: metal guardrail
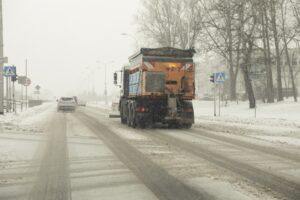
(13, 105)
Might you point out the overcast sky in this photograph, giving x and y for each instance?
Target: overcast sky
(62, 38)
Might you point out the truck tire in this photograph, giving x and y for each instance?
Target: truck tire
(187, 126)
(142, 125)
(123, 118)
(133, 116)
(128, 118)
(173, 125)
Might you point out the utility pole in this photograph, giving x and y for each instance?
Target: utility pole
(213, 80)
(93, 81)
(1, 62)
(105, 78)
(26, 94)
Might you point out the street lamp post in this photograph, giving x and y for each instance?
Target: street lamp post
(137, 45)
(105, 84)
(105, 79)
(91, 74)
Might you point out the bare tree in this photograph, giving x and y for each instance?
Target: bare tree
(287, 35)
(172, 23)
(266, 49)
(250, 22)
(273, 14)
(233, 29)
(222, 27)
(296, 10)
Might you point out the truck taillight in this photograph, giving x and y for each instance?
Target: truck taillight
(141, 109)
(188, 110)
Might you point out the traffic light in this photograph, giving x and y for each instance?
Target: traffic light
(14, 78)
(115, 78)
(212, 78)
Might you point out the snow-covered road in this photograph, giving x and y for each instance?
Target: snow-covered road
(86, 155)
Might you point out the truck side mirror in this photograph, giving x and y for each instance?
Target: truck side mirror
(115, 78)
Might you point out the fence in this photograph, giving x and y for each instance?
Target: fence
(10, 105)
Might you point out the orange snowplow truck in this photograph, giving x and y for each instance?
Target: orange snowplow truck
(158, 87)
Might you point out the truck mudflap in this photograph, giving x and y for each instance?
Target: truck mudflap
(187, 114)
(184, 117)
(187, 118)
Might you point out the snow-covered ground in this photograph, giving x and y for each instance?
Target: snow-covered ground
(20, 133)
(283, 113)
(278, 122)
(100, 104)
(29, 116)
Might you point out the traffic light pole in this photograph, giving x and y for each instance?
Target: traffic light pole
(10, 94)
(219, 100)
(13, 98)
(7, 98)
(215, 103)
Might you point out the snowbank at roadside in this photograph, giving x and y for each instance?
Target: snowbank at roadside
(29, 116)
(277, 122)
(282, 114)
(21, 133)
(100, 104)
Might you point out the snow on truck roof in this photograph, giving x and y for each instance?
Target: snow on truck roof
(164, 52)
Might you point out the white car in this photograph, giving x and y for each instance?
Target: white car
(66, 104)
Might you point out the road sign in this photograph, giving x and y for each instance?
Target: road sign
(14, 78)
(22, 80)
(10, 71)
(28, 82)
(37, 87)
(220, 77)
(4, 60)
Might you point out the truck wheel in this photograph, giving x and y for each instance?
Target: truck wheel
(149, 123)
(173, 125)
(187, 126)
(142, 125)
(128, 119)
(123, 119)
(133, 117)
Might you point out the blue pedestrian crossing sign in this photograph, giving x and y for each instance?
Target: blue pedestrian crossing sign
(220, 77)
(10, 71)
